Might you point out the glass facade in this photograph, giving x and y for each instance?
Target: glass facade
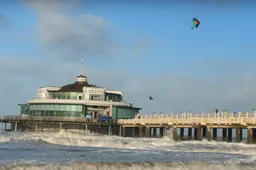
(67, 110)
(124, 113)
(24, 109)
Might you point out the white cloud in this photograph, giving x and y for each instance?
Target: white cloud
(71, 37)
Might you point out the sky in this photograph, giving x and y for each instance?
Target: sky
(144, 48)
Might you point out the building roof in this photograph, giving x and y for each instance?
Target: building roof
(75, 87)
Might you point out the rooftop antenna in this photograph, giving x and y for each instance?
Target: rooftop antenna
(81, 70)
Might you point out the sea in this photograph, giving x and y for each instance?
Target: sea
(65, 150)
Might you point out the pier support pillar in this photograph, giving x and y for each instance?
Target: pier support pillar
(141, 131)
(133, 132)
(181, 133)
(86, 129)
(175, 134)
(224, 134)
(238, 134)
(189, 133)
(147, 132)
(120, 130)
(195, 133)
(199, 133)
(208, 134)
(16, 126)
(5, 126)
(168, 132)
(109, 130)
(154, 132)
(214, 135)
(123, 131)
(36, 127)
(254, 134)
(249, 135)
(161, 132)
(204, 132)
(137, 132)
(229, 134)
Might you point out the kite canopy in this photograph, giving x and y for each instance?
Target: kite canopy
(195, 23)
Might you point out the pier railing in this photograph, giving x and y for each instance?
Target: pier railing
(240, 118)
(52, 119)
(184, 119)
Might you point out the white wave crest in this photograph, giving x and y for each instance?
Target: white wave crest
(91, 140)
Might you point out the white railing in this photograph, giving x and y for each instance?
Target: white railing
(157, 119)
(193, 119)
(75, 101)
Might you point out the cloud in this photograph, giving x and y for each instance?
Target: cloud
(71, 37)
(4, 22)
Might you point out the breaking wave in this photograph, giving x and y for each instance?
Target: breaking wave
(71, 150)
(91, 140)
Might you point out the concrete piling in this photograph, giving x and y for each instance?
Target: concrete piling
(204, 133)
(175, 136)
(199, 134)
(181, 133)
(239, 134)
(141, 132)
(189, 133)
(229, 134)
(214, 134)
(224, 134)
(249, 135)
(208, 134)
(161, 133)
(147, 132)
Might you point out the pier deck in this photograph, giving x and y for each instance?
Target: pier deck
(198, 126)
(220, 120)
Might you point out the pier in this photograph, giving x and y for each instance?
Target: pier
(57, 123)
(185, 126)
(203, 125)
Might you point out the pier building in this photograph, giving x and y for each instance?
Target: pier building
(79, 99)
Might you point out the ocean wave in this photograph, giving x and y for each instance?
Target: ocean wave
(130, 166)
(65, 138)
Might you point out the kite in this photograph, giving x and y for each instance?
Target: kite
(151, 98)
(195, 23)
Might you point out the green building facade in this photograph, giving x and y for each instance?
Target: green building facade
(68, 110)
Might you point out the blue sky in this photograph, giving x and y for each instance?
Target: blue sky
(167, 45)
(223, 33)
